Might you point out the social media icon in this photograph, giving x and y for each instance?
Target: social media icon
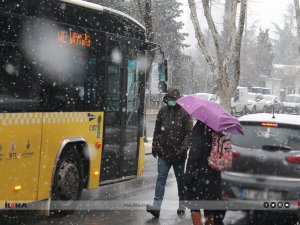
(266, 205)
(280, 205)
(273, 205)
(287, 205)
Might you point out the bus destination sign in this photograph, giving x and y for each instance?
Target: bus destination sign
(74, 38)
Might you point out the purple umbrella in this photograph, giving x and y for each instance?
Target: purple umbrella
(211, 114)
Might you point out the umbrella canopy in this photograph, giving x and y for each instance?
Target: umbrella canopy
(210, 113)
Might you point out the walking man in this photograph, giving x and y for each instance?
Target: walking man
(171, 141)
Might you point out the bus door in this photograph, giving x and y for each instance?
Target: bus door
(120, 150)
(132, 120)
(111, 154)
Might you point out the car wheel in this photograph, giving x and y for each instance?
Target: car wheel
(265, 109)
(67, 183)
(233, 111)
(244, 111)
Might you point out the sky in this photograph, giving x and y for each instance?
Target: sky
(265, 12)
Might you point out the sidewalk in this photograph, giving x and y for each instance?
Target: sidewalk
(148, 146)
(151, 112)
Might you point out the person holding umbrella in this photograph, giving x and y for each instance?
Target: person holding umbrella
(202, 181)
(171, 141)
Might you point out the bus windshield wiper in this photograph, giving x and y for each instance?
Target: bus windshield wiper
(276, 148)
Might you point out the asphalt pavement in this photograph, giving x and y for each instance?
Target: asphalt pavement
(124, 203)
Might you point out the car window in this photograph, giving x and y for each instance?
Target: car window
(256, 136)
(295, 99)
(259, 97)
(269, 98)
(251, 97)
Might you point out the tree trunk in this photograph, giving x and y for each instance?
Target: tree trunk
(228, 57)
(149, 33)
(225, 101)
(148, 20)
(297, 9)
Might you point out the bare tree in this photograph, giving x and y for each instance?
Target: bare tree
(225, 65)
(297, 9)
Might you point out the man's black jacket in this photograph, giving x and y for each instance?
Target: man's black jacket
(172, 134)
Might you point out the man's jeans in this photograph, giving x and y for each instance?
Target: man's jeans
(163, 168)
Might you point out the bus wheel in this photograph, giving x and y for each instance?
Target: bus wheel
(67, 183)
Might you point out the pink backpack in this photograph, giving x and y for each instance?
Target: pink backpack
(220, 157)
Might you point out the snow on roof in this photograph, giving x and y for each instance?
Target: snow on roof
(280, 66)
(270, 96)
(202, 93)
(101, 8)
(267, 117)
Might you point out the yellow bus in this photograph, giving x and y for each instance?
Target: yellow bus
(72, 89)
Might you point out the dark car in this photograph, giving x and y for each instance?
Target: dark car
(266, 164)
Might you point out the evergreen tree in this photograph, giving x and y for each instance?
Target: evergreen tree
(264, 53)
(168, 34)
(115, 4)
(286, 41)
(248, 58)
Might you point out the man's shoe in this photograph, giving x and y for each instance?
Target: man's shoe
(155, 211)
(180, 211)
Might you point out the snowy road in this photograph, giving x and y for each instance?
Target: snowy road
(136, 192)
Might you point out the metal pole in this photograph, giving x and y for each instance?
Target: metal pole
(144, 125)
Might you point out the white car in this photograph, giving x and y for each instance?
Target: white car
(239, 101)
(292, 104)
(210, 97)
(256, 103)
(272, 100)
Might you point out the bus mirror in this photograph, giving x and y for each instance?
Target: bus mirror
(163, 70)
(166, 69)
(162, 87)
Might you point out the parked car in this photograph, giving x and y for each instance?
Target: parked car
(266, 163)
(239, 101)
(256, 103)
(292, 104)
(210, 97)
(260, 90)
(266, 91)
(257, 90)
(272, 101)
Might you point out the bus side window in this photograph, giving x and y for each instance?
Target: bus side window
(19, 85)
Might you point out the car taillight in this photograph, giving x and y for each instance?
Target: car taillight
(224, 195)
(293, 159)
(296, 203)
(235, 154)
